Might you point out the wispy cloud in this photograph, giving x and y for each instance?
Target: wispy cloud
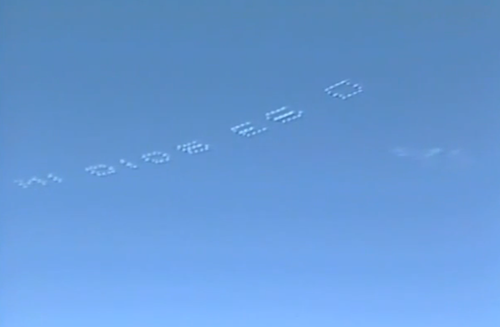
(434, 156)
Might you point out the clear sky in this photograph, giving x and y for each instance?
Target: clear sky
(313, 223)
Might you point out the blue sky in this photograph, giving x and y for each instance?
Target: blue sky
(313, 223)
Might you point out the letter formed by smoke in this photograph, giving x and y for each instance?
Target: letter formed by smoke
(247, 129)
(283, 115)
(100, 170)
(128, 164)
(193, 147)
(350, 90)
(53, 178)
(37, 181)
(156, 157)
(31, 182)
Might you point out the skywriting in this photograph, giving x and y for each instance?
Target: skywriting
(343, 90)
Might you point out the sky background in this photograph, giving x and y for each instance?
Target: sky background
(314, 223)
